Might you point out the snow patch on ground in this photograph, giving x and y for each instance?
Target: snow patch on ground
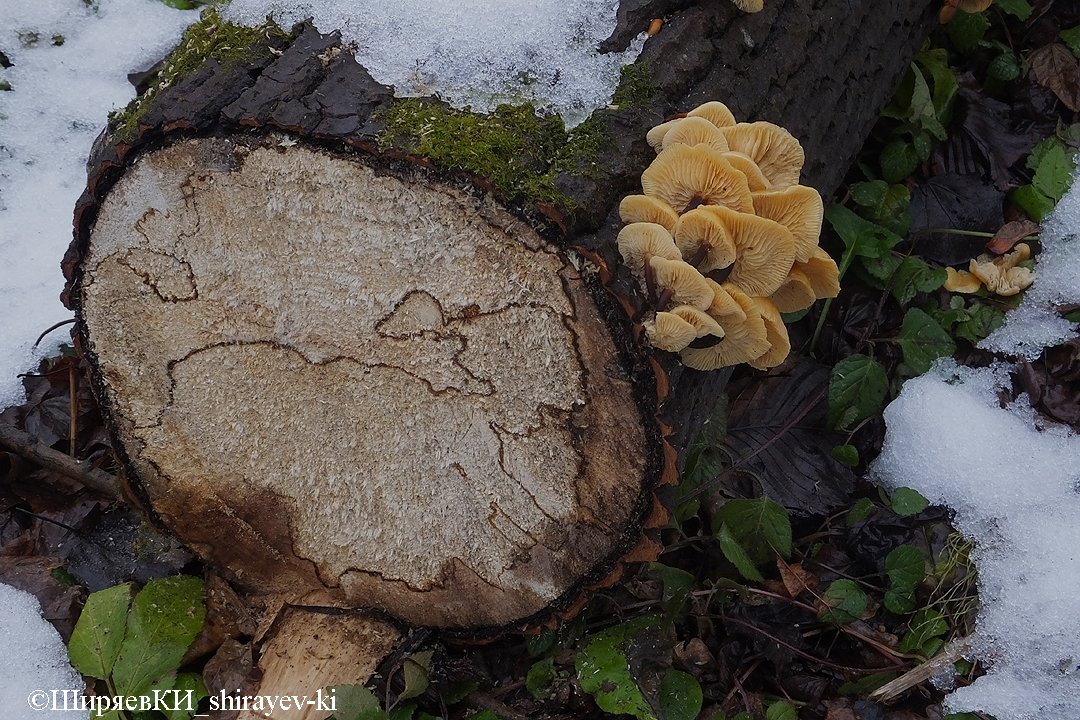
(60, 98)
(35, 659)
(1035, 324)
(473, 52)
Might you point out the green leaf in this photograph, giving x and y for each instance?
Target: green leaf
(539, 677)
(1034, 204)
(1054, 175)
(966, 30)
(99, 633)
(1004, 67)
(182, 685)
(881, 269)
(936, 62)
(844, 602)
(761, 527)
(922, 341)
(680, 696)
(898, 602)
(898, 160)
(866, 685)
(604, 672)
(856, 390)
(781, 710)
(906, 501)
(981, 320)
(736, 555)
(846, 454)
(416, 671)
(1071, 38)
(163, 620)
(927, 623)
(859, 511)
(674, 579)
(704, 461)
(178, 4)
(1020, 9)
(914, 276)
(356, 703)
(861, 237)
(870, 194)
(906, 568)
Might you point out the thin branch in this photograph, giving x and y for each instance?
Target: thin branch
(48, 330)
(28, 447)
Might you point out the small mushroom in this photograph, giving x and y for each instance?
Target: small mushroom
(742, 162)
(822, 273)
(638, 241)
(743, 341)
(715, 112)
(701, 320)
(642, 208)
(776, 334)
(1002, 276)
(694, 131)
(771, 147)
(681, 282)
(704, 241)
(765, 251)
(668, 331)
(683, 173)
(750, 6)
(724, 307)
(795, 294)
(961, 281)
(799, 209)
(655, 136)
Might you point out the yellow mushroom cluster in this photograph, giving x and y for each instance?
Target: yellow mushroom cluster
(1002, 275)
(725, 239)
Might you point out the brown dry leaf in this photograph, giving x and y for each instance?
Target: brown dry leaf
(840, 710)
(1056, 69)
(1010, 234)
(795, 578)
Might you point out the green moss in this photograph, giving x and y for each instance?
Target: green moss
(518, 151)
(636, 88)
(209, 37)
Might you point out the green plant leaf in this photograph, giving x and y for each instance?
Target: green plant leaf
(539, 677)
(1020, 9)
(966, 30)
(866, 685)
(914, 276)
(922, 341)
(1071, 38)
(1004, 67)
(870, 195)
(906, 568)
(905, 502)
(736, 555)
(178, 4)
(843, 602)
(781, 710)
(859, 511)
(416, 671)
(604, 672)
(163, 620)
(1054, 174)
(898, 602)
(936, 62)
(760, 526)
(927, 624)
(898, 159)
(1034, 204)
(847, 454)
(856, 390)
(99, 633)
(680, 696)
(185, 706)
(861, 237)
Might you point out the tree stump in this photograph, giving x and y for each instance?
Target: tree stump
(350, 377)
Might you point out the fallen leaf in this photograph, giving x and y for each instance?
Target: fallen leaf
(1010, 234)
(957, 202)
(795, 578)
(1056, 68)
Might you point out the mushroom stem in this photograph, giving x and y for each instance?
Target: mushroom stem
(699, 255)
(663, 300)
(720, 275)
(706, 341)
(694, 202)
(650, 279)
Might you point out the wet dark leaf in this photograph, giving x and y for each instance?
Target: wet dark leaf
(797, 469)
(1055, 68)
(1010, 234)
(60, 602)
(957, 202)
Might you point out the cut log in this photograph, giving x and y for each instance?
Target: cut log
(349, 375)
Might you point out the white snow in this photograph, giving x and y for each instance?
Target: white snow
(35, 661)
(474, 53)
(470, 52)
(60, 98)
(1035, 324)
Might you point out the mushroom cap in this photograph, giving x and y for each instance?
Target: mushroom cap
(1001, 275)
(742, 162)
(771, 147)
(683, 172)
(766, 251)
(638, 240)
(700, 227)
(799, 209)
(655, 136)
(743, 341)
(822, 273)
(724, 307)
(973, 6)
(642, 208)
(668, 331)
(777, 335)
(687, 285)
(961, 281)
(702, 321)
(750, 6)
(795, 294)
(695, 131)
(715, 112)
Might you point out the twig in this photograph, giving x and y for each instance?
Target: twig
(921, 673)
(31, 449)
(48, 330)
(73, 410)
